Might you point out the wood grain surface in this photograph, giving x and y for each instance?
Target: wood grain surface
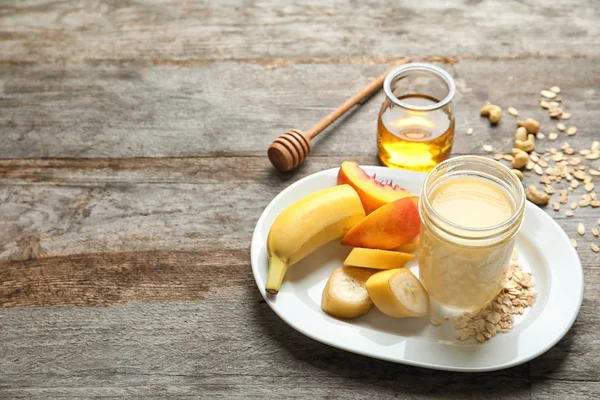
(133, 169)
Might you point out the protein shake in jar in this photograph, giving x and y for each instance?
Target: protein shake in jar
(471, 210)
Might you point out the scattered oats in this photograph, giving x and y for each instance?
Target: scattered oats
(515, 255)
(543, 164)
(549, 189)
(508, 157)
(498, 156)
(548, 94)
(585, 152)
(571, 131)
(581, 229)
(595, 232)
(595, 145)
(595, 248)
(593, 156)
(579, 175)
(464, 335)
(569, 151)
(538, 170)
(529, 166)
(569, 213)
(574, 185)
(555, 89)
(595, 204)
(480, 325)
(557, 157)
(585, 203)
(494, 317)
(556, 206)
(552, 136)
(561, 127)
(545, 179)
(555, 112)
(564, 199)
(589, 187)
(488, 148)
(544, 104)
(446, 318)
(594, 172)
(513, 111)
(573, 242)
(540, 135)
(534, 157)
(470, 131)
(565, 115)
(435, 322)
(573, 205)
(574, 161)
(480, 338)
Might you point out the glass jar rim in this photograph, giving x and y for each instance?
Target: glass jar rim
(445, 76)
(496, 229)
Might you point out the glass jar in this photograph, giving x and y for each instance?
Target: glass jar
(415, 127)
(471, 209)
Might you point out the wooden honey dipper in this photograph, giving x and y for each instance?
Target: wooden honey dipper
(291, 149)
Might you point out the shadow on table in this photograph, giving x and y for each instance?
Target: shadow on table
(372, 375)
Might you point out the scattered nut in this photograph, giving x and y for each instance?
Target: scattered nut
(520, 159)
(493, 112)
(581, 229)
(595, 232)
(538, 170)
(518, 173)
(521, 133)
(531, 125)
(571, 131)
(565, 115)
(561, 127)
(552, 136)
(555, 112)
(555, 89)
(536, 196)
(595, 248)
(569, 213)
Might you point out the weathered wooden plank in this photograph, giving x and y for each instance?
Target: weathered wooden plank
(86, 206)
(230, 108)
(171, 32)
(558, 390)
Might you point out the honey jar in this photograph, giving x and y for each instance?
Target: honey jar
(415, 127)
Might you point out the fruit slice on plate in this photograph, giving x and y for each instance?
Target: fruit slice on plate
(409, 247)
(377, 259)
(388, 227)
(372, 193)
(307, 225)
(398, 293)
(345, 295)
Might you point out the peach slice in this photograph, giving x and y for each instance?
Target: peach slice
(388, 227)
(409, 247)
(377, 259)
(373, 194)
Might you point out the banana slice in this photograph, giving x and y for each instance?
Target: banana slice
(398, 293)
(377, 259)
(345, 295)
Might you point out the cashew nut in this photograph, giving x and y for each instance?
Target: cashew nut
(531, 125)
(518, 173)
(493, 112)
(521, 133)
(520, 159)
(525, 145)
(536, 196)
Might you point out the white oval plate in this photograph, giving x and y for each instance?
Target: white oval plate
(544, 249)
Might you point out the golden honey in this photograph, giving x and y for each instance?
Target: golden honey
(414, 140)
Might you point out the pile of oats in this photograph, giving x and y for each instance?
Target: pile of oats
(516, 295)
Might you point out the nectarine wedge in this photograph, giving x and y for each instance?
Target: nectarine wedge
(377, 259)
(373, 194)
(388, 227)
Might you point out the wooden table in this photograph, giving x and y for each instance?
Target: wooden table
(133, 168)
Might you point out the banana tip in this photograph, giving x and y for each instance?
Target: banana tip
(272, 291)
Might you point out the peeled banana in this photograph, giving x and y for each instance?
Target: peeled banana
(398, 293)
(345, 295)
(307, 225)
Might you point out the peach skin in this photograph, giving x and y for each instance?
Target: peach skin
(373, 194)
(388, 227)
